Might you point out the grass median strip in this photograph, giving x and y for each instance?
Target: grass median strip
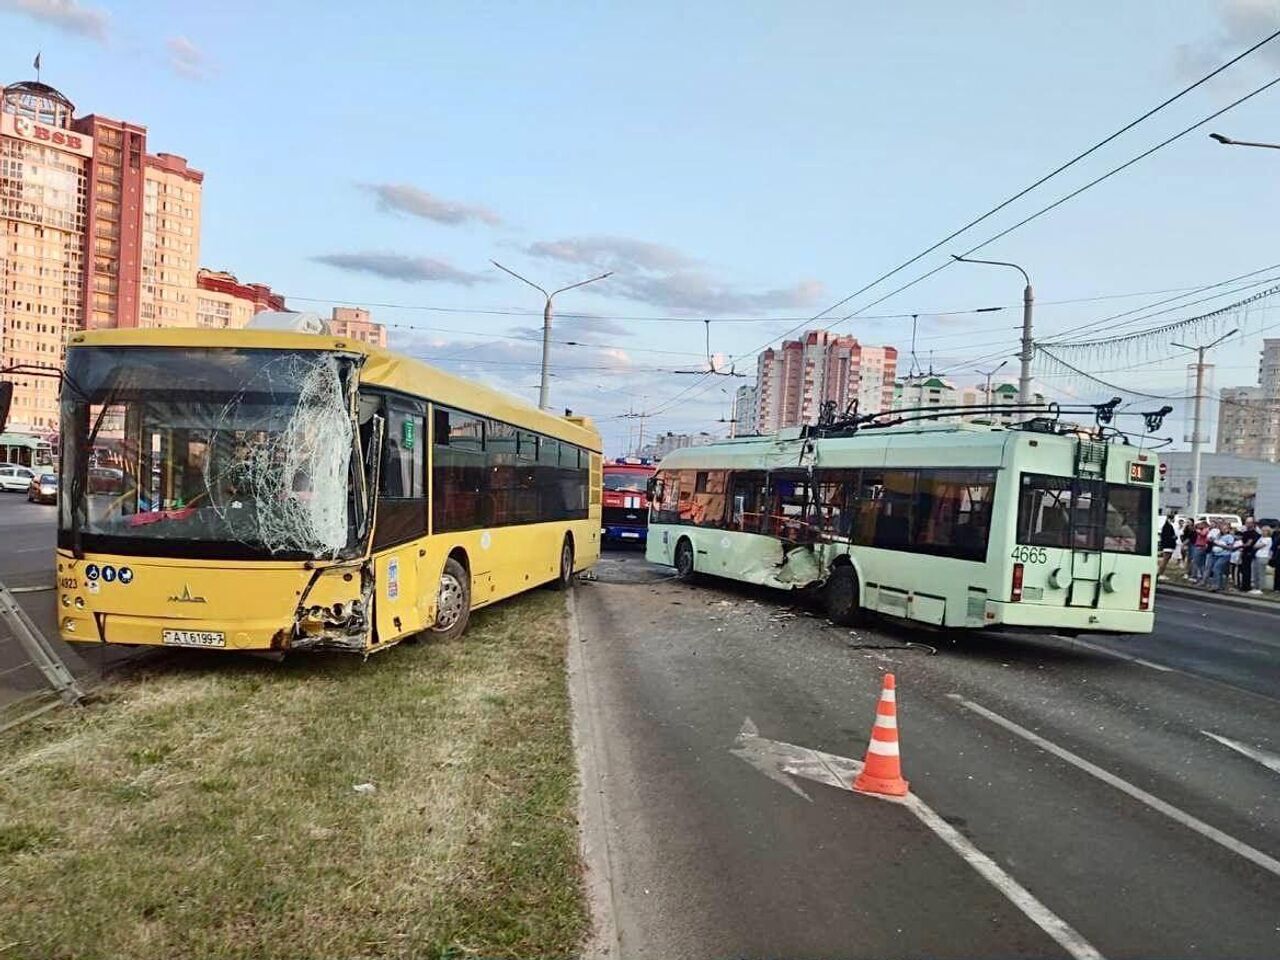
(209, 806)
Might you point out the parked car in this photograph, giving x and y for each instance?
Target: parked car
(14, 478)
(43, 488)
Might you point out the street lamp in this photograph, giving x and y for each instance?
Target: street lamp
(991, 373)
(1228, 142)
(543, 401)
(1028, 348)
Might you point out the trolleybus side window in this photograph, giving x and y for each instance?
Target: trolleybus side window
(1044, 511)
(746, 501)
(953, 515)
(897, 509)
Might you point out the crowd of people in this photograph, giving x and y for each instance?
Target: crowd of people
(1217, 556)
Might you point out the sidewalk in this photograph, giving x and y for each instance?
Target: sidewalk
(1268, 602)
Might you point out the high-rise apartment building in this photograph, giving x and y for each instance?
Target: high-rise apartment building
(793, 381)
(746, 405)
(97, 234)
(354, 323)
(1249, 417)
(170, 251)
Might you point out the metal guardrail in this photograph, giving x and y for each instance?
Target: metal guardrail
(34, 655)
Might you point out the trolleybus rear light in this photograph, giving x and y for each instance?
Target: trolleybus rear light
(1015, 594)
(1144, 597)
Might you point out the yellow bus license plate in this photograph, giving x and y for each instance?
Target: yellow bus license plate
(193, 638)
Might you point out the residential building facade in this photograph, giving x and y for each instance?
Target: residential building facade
(1249, 417)
(664, 443)
(224, 303)
(97, 234)
(795, 380)
(354, 323)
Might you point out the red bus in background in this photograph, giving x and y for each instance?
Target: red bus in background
(624, 515)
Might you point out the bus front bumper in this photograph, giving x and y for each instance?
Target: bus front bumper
(1059, 619)
(625, 534)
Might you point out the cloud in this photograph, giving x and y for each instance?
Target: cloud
(404, 198)
(398, 266)
(66, 15)
(662, 276)
(1241, 24)
(186, 59)
(612, 253)
(699, 292)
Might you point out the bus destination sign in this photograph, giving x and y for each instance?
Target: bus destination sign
(1142, 472)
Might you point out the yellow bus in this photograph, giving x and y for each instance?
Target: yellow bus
(272, 490)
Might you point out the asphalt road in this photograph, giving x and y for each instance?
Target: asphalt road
(27, 533)
(1087, 779)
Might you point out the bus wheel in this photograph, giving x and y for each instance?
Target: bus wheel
(840, 596)
(684, 560)
(565, 580)
(453, 601)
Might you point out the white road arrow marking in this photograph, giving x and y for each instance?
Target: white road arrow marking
(781, 761)
(1268, 760)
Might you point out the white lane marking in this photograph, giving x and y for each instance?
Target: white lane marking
(1268, 760)
(776, 760)
(1062, 932)
(1239, 847)
(1098, 648)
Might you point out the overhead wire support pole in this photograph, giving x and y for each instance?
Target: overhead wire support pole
(1196, 505)
(1028, 304)
(544, 400)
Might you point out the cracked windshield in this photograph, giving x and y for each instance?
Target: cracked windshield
(640, 482)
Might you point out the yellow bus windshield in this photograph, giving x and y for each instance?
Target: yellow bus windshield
(216, 453)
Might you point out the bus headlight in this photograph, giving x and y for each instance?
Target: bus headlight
(79, 603)
(66, 600)
(68, 625)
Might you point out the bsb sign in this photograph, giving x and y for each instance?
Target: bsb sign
(27, 129)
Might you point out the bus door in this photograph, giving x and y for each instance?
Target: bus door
(1088, 523)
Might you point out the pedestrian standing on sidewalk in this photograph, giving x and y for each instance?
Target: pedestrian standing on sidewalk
(1249, 537)
(1224, 545)
(1261, 559)
(1274, 562)
(1201, 562)
(1188, 545)
(1168, 542)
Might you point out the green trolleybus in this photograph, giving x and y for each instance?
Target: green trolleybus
(958, 525)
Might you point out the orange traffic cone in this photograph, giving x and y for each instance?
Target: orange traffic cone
(882, 769)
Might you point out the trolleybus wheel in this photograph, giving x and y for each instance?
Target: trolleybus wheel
(565, 580)
(453, 601)
(684, 559)
(840, 596)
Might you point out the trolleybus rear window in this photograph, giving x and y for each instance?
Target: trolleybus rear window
(1084, 515)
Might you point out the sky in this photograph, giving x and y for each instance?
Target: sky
(749, 163)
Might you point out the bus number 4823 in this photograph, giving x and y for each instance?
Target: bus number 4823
(1029, 555)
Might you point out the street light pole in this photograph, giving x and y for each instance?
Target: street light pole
(543, 399)
(1028, 345)
(991, 373)
(1228, 142)
(1195, 507)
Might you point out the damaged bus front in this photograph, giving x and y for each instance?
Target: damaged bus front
(215, 496)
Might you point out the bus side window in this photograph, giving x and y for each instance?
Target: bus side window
(458, 471)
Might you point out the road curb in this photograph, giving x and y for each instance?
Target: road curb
(1224, 600)
(593, 834)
